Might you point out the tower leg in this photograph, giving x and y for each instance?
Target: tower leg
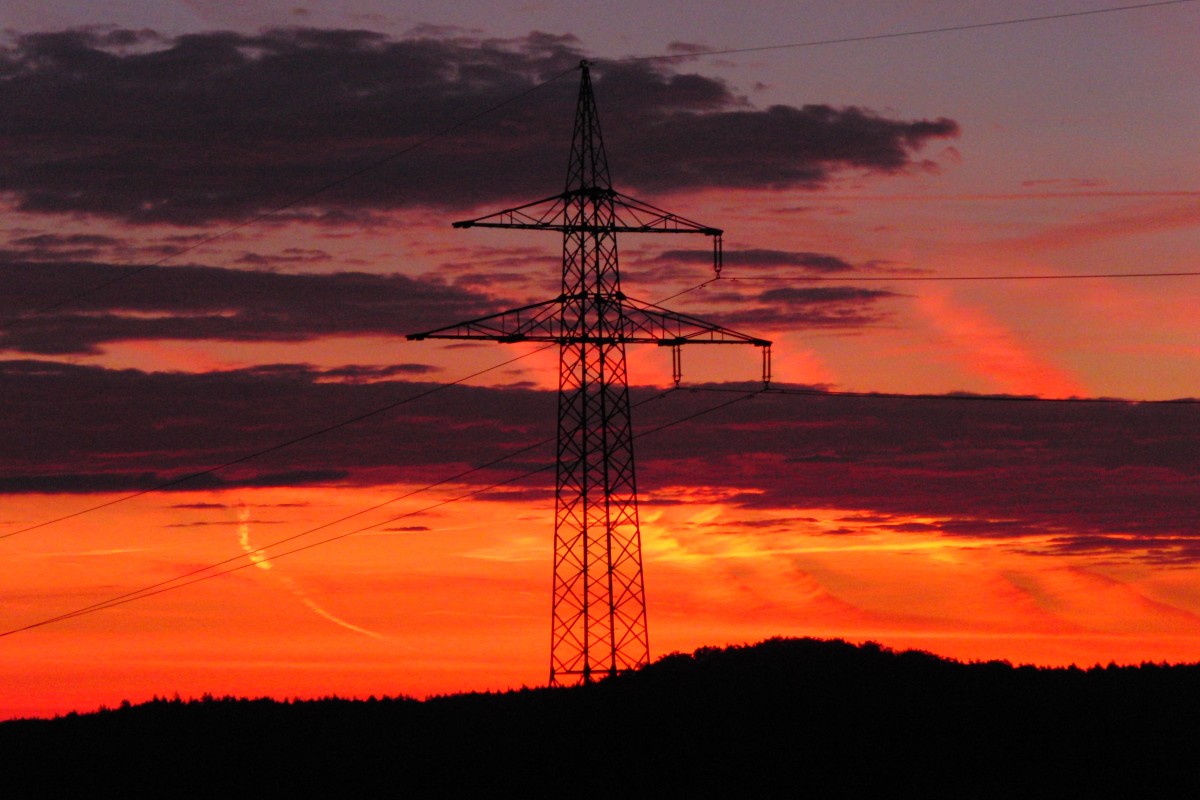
(599, 605)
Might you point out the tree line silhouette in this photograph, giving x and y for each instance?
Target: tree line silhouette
(791, 716)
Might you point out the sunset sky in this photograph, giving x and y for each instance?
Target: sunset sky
(220, 222)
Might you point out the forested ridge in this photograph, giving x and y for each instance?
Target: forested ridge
(800, 716)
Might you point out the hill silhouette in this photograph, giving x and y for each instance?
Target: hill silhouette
(790, 717)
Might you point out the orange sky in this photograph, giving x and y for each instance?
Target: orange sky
(464, 605)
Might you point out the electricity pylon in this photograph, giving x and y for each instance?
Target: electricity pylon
(599, 602)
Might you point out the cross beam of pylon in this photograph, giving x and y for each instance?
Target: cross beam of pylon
(599, 604)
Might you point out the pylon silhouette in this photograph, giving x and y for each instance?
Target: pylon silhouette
(599, 602)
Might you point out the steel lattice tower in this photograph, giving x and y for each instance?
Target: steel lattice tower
(599, 603)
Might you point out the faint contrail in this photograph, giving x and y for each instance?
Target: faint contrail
(260, 560)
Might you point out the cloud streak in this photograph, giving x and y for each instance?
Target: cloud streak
(260, 560)
(235, 305)
(760, 258)
(1119, 479)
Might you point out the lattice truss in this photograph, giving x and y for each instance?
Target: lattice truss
(599, 605)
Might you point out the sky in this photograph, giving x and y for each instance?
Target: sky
(221, 219)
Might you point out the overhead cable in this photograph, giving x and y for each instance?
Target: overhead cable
(998, 277)
(197, 577)
(899, 34)
(275, 447)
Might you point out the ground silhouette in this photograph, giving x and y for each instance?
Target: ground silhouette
(790, 717)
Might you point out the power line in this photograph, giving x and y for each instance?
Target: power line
(172, 583)
(147, 591)
(297, 440)
(204, 573)
(745, 394)
(513, 98)
(882, 278)
(323, 526)
(273, 448)
(963, 397)
(897, 34)
(685, 291)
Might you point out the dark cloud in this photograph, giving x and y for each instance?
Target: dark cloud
(821, 295)
(779, 148)
(289, 256)
(1166, 550)
(533, 270)
(54, 240)
(90, 482)
(193, 302)
(217, 304)
(755, 258)
(59, 247)
(544, 495)
(220, 126)
(69, 428)
(809, 307)
(779, 523)
(983, 468)
(357, 373)
(1119, 479)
